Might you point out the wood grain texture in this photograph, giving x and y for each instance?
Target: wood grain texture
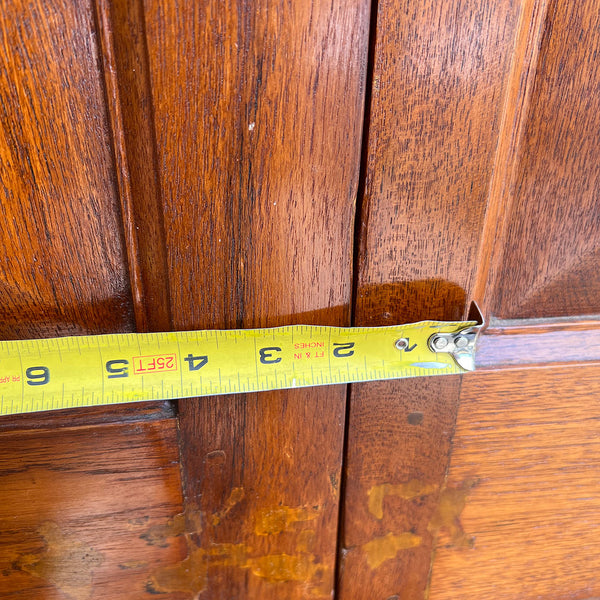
(398, 446)
(520, 83)
(258, 110)
(61, 265)
(551, 258)
(90, 415)
(86, 512)
(529, 442)
(441, 73)
(439, 77)
(263, 474)
(258, 120)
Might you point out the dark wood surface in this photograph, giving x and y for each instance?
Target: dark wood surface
(258, 116)
(90, 415)
(197, 165)
(86, 512)
(517, 101)
(122, 41)
(61, 266)
(398, 446)
(440, 75)
(550, 257)
(527, 448)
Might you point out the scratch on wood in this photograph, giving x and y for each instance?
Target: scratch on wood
(407, 491)
(66, 562)
(380, 549)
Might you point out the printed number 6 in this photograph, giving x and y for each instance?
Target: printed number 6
(38, 375)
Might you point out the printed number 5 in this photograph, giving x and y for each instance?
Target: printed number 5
(37, 375)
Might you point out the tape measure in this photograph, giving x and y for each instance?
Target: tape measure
(90, 370)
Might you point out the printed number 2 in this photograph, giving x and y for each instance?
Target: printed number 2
(338, 352)
(38, 375)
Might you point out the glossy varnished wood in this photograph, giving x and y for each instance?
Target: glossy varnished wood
(441, 72)
(62, 268)
(517, 101)
(87, 512)
(75, 500)
(536, 342)
(439, 78)
(398, 445)
(209, 153)
(550, 258)
(258, 115)
(90, 415)
(526, 451)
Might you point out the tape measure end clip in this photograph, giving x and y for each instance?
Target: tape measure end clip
(460, 344)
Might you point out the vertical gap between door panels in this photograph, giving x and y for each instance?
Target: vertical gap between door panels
(360, 224)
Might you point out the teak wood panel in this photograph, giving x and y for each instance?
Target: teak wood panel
(549, 259)
(89, 512)
(440, 76)
(62, 263)
(122, 40)
(525, 473)
(210, 155)
(258, 119)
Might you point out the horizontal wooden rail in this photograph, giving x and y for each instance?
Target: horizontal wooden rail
(537, 342)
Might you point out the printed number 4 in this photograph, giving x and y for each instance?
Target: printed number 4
(195, 363)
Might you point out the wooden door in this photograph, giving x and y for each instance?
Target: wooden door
(246, 164)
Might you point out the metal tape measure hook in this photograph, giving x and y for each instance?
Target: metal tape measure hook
(460, 344)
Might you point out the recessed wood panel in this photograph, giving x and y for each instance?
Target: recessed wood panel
(88, 512)
(551, 253)
(62, 268)
(258, 116)
(526, 451)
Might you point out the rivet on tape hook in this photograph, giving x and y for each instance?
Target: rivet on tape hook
(460, 344)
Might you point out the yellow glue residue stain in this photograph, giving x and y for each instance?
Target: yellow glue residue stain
(284, 567)
(235, 497)
(446, 518)
(272, 521)
(407, 491)
(191, 575)
(380, 549)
